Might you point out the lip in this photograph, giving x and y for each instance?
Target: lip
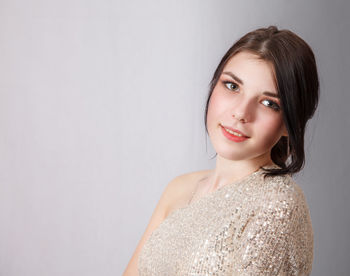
(232, 137)
(235, 130)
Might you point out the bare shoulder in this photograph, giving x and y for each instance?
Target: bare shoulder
(180, 189)
(175, 194)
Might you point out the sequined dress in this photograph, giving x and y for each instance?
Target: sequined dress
(250, 227)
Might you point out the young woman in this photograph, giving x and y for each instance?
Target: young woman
(247, 216)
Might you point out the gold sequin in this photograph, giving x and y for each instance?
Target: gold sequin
(251, 227)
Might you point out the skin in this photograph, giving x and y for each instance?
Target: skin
(242, 107)
(246, 108)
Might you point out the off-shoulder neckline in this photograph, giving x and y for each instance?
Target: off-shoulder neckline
(223, 188)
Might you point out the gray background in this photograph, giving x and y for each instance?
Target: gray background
(102, 104)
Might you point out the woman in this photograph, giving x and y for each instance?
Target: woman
(247, 216)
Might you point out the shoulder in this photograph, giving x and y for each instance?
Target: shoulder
(282, 186)
(179, 189)
(283, 193)
(279, 202)
(184, 182)
(279, 233)
(173, 196)
(287, 210)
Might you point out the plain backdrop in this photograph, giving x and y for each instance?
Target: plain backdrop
(102, 104)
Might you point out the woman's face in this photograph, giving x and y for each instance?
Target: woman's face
(245, 99)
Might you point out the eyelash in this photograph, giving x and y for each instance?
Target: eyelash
(274, 105)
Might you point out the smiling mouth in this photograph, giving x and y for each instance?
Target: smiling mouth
(234, 132)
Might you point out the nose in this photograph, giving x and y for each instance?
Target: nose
(242, 111)
(240, 118)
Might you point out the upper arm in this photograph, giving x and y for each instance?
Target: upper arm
(159, 214)
(268, 239)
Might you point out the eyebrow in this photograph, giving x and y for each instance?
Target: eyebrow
(237, 79)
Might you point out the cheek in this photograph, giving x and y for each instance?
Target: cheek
(216, 107)
(271, 127)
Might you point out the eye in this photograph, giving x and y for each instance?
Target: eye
(272, 105)
(231, 85)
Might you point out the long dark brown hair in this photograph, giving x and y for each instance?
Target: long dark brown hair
(297, 85)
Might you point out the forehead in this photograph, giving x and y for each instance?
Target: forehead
(251, 69)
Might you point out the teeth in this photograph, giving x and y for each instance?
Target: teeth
(233, 132)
